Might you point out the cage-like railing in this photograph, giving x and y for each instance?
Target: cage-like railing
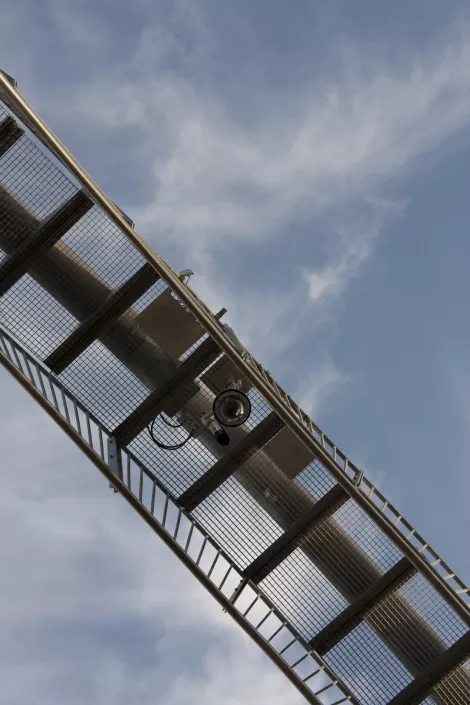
(380, 613)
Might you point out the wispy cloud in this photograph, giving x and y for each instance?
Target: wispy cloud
(352, 129)
(212, 179)
(350, 247)
(92, 604)
(323, 380)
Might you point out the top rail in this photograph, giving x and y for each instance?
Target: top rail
(348, 476)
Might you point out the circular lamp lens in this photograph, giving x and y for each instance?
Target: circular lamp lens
(232, 408)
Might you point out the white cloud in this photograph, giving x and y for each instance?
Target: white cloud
(353, 128)
(321, 383)
(352, 247)
(214, 686)
(78, 25)
(215, 180)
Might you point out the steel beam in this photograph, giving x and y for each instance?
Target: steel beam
(114, 306)
(11, 96)
(146, 367)
(288, 542)
(10, 132)
(55, 227)
(230, 463)
(417, 690)
(62, 274)
(155, 403)
(345, 622)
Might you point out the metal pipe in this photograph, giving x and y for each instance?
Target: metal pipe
(349, 576)
(329, 561)
(216, 332)
(334, 552)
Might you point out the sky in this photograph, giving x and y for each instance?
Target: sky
(309, 162)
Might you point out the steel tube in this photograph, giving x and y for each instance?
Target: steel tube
(217, 333)
(140, 368)
(80, 291)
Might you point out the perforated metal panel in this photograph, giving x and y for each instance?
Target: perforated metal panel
(272, 502)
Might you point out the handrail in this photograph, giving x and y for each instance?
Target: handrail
(303, 427)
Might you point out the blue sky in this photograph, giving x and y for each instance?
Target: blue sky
(309, 162)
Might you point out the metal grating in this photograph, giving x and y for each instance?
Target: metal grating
(191, 543)
(336, 561)
(368, 667)
(310, 600)
(455, 687)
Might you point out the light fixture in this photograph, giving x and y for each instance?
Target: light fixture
(185, 275)
(212, 425)
(231, 408)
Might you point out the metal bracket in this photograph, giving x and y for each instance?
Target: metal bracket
(114, 460)
(358, 478)
(238, 590)
(10, 79)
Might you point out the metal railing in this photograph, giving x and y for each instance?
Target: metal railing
(244, 601)
(366, 499)
(400, 531)
(343, 464)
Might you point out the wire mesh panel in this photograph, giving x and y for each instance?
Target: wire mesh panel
(328, 570)
(187, 538)
(453, 688)
(368, 667)
(29, 174)
(146, 373)
(43, 322)
(310, 600)
(239, 521)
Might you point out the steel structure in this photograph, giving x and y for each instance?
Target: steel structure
(280, 526)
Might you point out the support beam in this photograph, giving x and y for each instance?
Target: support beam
(345, 622)
(49, 232)
(395, 635)
(10, 132)
(115, 305)
(288, 542)
(231, 462)
(204, 355)
(417, 690)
